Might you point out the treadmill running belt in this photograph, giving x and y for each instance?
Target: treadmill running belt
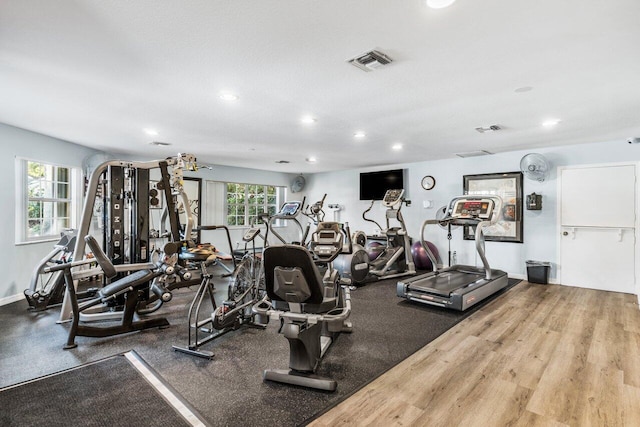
(444, 283)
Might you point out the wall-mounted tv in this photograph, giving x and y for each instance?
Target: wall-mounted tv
(373, 185)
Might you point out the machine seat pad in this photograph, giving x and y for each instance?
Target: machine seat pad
(197, 254)
(134, 279)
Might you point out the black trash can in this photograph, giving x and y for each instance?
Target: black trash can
(538, 272)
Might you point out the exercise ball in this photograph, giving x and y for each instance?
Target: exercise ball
(420, 257)
(373, 249)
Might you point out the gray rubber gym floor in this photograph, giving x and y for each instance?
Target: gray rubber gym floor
(228, 390)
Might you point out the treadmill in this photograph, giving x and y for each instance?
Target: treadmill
(459, 287)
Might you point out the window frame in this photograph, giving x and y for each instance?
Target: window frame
(280, 194)
(23, 198)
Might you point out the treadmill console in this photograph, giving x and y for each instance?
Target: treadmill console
(251, 234)
(473, 209)
(289, 210)
(392, 198)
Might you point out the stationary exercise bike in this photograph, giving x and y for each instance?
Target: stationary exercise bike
(393, 261)
(312, 307)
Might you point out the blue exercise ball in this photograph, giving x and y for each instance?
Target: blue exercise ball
(420, 257)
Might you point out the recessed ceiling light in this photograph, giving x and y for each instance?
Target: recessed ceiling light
(308, 120)
(311, 159)
(359, 134)
(396, 147)
(439, 4)
(550, 123)
(228, 96)
(151, 132)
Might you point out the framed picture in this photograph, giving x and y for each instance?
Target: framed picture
(508, 186)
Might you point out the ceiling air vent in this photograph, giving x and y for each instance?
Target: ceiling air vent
(474, 153)
(370, 60)
(492, 128)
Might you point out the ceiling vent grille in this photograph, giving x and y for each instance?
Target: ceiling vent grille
(474, 153)
(371, 60)
(492, 128)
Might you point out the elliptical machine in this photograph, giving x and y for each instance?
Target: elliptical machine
(395, 259)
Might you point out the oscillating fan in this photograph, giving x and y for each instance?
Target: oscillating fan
(535, 166)
(298, 184)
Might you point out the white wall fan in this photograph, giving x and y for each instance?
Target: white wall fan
(535, 166)
(298, 183)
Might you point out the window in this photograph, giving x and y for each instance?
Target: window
(246, 201)
(48, 204)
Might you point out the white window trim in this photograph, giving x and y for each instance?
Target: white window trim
(21, 199)
(281, 196)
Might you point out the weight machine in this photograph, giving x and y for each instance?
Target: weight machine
(123, 189)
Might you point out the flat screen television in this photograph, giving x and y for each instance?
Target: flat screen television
(373, 185)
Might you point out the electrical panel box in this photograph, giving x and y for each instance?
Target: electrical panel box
(534, 202)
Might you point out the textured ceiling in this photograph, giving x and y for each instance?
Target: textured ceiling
(99, 72)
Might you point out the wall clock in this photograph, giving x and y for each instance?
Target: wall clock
(428, 182)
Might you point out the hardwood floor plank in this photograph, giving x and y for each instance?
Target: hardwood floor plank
(630, 310)
(599, 403)
(630, 361)
(538, 355)
(630, 410)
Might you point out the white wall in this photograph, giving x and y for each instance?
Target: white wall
(17, 261)
(540, 233)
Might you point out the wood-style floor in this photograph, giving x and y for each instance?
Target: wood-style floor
(539, 355)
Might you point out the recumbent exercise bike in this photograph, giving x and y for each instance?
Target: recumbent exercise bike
(312, 307)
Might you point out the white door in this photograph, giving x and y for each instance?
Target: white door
(597, 217)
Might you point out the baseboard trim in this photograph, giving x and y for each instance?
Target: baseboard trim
(9, 300)
(552, 280)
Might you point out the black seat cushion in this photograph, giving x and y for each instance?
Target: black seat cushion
(134, 279)
(197, 254)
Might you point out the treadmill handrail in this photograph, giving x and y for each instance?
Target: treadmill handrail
(432, 257)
